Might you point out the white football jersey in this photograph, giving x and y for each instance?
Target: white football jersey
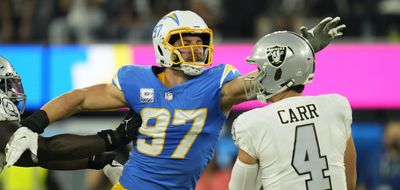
(8, 110)
(299, 141)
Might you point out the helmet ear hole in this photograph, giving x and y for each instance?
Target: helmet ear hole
(278, 74)
(159, 50)
(175, 58)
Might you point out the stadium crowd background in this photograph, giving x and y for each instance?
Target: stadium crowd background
(127, 21)
(55, 22)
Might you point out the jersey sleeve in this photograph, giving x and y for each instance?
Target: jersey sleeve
(229, 73)
(124, 80)
(242, 137)
(119, 77)
(344, 105)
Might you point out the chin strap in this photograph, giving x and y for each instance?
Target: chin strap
(191, 70)
(264, 98)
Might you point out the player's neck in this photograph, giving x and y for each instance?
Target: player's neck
(174, 77)
(284, 95)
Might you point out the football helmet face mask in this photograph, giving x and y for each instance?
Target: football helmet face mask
(284, 59)
(11, 86)
(175, 26)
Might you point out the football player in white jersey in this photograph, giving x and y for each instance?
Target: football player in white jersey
(296, 142)
(64, 151)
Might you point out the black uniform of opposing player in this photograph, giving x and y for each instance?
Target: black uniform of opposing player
(65, 151)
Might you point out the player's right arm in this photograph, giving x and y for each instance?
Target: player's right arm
(97, 162)
(66, 146)
(350, 164)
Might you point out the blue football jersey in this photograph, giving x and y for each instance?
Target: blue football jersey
(180, 126)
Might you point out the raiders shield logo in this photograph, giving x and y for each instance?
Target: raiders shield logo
(276, 55)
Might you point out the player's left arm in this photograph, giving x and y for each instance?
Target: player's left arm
(233, 92)
(244, 173)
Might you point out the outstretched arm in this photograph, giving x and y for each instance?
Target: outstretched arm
(67, 146)
(93, 162)
(234, 92)
(76, 144)
(97, 97)
(26, 161)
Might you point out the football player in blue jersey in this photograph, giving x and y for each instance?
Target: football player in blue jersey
(183, 104)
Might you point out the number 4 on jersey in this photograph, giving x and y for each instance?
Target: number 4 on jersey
(307, 158)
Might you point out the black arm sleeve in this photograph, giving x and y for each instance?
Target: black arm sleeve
(37, 121)
(26, 161)
(93, 162)
(69, 147)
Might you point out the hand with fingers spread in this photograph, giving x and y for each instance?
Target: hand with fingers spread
(23, 139)
(322, 34)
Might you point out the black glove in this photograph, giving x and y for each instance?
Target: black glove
(36, 122)
(324, 33)
(98, 161)
(125, 133)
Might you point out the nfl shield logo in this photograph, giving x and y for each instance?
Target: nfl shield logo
(276, 55)
(169, 96)
(146, 95)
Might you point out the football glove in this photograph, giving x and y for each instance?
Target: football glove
(23, 139)
(323, 34)
(99, 161)
(125, 132)
(113, 171)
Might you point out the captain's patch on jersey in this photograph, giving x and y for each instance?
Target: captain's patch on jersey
(146, 95)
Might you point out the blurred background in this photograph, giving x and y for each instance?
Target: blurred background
(60, 45)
